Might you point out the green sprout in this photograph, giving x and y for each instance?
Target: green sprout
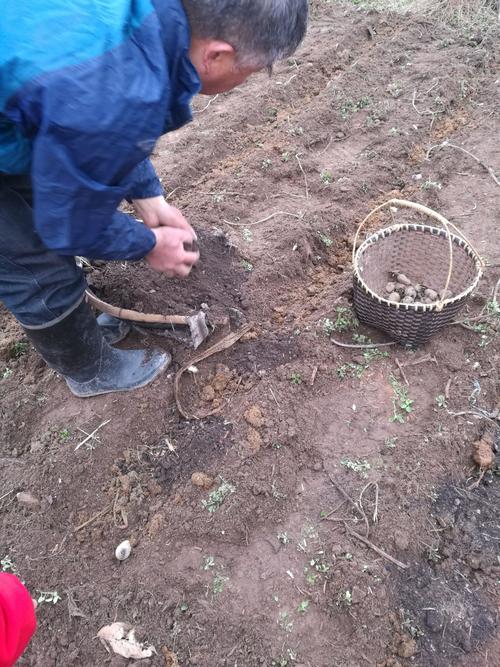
(402, 404)
(303, 606)
(48, 597)
(359, 466)
(326, 176)
(218, 496)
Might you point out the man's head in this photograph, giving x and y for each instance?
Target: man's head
(232, 39)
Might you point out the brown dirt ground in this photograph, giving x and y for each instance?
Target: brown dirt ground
(271, 577)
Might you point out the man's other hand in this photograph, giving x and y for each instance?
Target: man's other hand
(155, 212)
(169, 254)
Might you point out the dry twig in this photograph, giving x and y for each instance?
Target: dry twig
(258, 222)
(377, 550)
(212, 99)
(354, 346)
(351, 502)
(94, 518)
(403, 374)
(304, 175)
(91, 436)
(466, 152)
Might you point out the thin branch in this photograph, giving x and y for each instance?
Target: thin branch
(401, 370)
(377, 550)
(368, 346)
(304, 175)
(258, 222)
(212, 99)
(94, 518)
(352, 502)
(91, 436)
(466, 152)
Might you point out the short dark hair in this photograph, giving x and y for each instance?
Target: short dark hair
(260, 31)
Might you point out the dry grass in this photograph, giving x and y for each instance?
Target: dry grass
(468, 15)
(471, 14)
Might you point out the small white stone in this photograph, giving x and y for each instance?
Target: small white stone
(123, 550)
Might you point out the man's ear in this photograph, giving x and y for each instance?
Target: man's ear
(215, 53)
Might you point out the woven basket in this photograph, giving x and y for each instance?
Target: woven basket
(428, 255)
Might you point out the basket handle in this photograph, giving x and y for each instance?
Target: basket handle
(432, 214)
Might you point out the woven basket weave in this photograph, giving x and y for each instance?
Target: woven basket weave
(427, 255)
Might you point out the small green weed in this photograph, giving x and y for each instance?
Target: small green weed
(345, 319)
(285, 621)
(19, 348)
(410, 626)
(266, 164)
(350, 369)
(218, 496)
(349, 107)
(219, 583)
(359, 466)
(441, 401)
(325, 240)
(345, 599)
(64, 434)
(326, 176)
(431, 185)
(402, 404)
(6, 373)
(7, 564)
(247, 235)
(248, 266)
(390, 442)
(296, 378)
(303, 606)
(48, 597)
(209, 563)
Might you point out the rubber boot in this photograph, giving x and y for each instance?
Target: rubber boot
(113, 329)
(76, 348)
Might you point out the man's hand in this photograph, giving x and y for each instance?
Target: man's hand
(172, 231)
(169, 254)
(155, 212)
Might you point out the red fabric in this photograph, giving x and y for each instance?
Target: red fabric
(17, 619)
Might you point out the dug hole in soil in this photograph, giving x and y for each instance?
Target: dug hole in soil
(313, 454)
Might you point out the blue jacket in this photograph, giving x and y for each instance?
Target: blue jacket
(86, 89)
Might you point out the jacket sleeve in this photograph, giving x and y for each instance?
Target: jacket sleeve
(96, 125)
(75, 212)
(17, 619)
(144, 182)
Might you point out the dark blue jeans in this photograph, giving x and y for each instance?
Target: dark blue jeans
(38, 287)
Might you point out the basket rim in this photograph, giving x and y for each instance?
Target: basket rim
(416, 227)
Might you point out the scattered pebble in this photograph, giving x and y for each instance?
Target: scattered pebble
(123, 550)
(253, 416)
(202, 480)
(208, 393)
(28, 500)
(434, 620)
(483, 454)
(253, 441)
(406, 647)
